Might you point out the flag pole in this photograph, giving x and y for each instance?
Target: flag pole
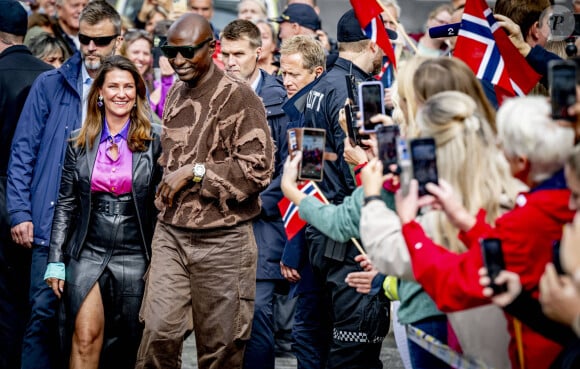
(399, 27)
(325, 200)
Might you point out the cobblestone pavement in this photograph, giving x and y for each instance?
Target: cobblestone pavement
(389, 356)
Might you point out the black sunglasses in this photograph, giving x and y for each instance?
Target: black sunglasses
(186, 51)
(99, 41)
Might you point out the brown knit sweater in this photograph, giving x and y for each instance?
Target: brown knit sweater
(222, 124)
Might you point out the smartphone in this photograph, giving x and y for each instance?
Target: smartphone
(371, 101)
(493, 261)
(313, 144)
(350, 125)
(353, 133)
(292, 142)
(387, 142)
(404, 160)
(351, 89)
(562, 80)
(556, 258)
(424, 162)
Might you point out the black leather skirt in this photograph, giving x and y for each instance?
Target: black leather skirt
(112, 255)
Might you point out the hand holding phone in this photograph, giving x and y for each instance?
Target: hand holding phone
(424, 162)
(562, 79)
(313, 145)
(493, 261)
(371, 101)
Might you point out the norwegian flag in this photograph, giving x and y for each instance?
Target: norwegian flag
(487, 50)
(368, 13)
(292, 221)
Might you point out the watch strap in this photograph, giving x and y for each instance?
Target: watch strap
(368, 199)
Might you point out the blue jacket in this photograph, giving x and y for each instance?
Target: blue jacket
(269, 227)
(324, 102)
(538, 58)
(51, 112)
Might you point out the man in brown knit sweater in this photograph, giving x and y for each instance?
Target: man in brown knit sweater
(217, 157)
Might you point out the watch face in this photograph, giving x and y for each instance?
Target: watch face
(199, 170)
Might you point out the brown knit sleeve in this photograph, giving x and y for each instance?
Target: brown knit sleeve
(249, 167)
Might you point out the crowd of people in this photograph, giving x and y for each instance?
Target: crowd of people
(144, 160)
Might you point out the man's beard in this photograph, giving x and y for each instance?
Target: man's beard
(377, 65)
(96, 64)
(93, 65)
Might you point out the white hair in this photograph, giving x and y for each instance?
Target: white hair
(394, 4)
(261, 4)
(526, 129)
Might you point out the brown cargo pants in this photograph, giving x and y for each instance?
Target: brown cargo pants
(202, 280)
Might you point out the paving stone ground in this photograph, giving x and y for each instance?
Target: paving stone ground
(389, 356)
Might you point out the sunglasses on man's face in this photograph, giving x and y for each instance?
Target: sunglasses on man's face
(99, 41)
(186, 51)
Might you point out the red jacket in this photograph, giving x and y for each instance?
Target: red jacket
(527, 233)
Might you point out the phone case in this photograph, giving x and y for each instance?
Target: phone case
(404, 160)
(313, 143)
(294, 139)
(371, 101)
(562, 80)
(493, 260)
(387, 141)
(424, 162)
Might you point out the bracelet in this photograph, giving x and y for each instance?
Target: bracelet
(368, 199)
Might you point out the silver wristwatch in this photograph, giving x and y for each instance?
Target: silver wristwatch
(198, 172)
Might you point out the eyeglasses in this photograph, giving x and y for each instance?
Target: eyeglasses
(99, 41)
(186, 51)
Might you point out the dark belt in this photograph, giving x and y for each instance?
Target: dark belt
(120, 206)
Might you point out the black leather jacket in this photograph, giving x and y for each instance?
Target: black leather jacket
(72, 213)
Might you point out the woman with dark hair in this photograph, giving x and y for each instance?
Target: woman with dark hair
(138, 47)
(49, 49)
(104, 219)
(269, 57)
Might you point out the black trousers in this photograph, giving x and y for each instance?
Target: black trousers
(359, 322)
(14, 285)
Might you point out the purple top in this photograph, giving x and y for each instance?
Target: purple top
(165, 84)
(111, 174)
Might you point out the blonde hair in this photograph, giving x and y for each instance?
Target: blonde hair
(447, 74)
(311, 51)
(467, 158)
(406, 95)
